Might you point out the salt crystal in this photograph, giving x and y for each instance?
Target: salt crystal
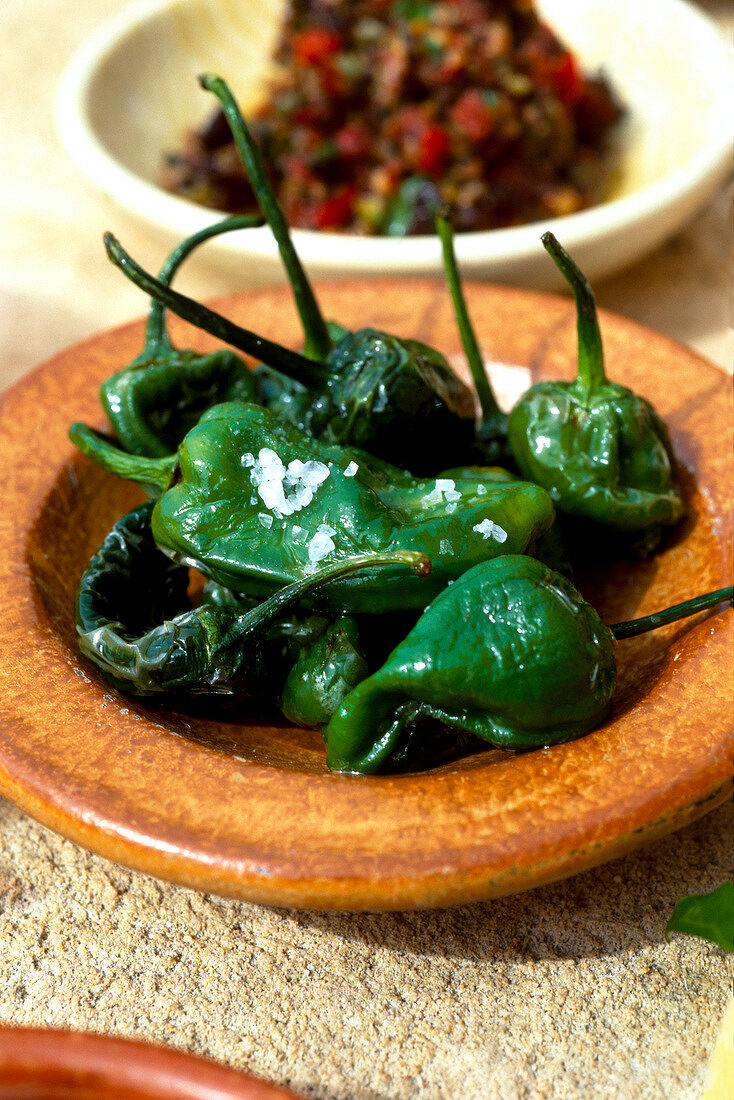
(266, 519)
(445, 484)
(248, 459)
(320, 546)
(313, 473)
(489, 530)
(273, 497)
(452, 494)
(444, 546)
(351, 469)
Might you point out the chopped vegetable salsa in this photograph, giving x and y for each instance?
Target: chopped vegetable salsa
(382, 111)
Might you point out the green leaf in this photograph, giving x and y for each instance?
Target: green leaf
(710, 916)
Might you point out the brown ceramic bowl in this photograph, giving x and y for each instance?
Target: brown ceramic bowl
(64, 1065)
(247, 808)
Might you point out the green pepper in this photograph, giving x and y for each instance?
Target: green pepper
(366, 389)
(601, 451)
(153, 402)
(255, 504)
(325, 672)
(392, 397)
(510, 653)
(135, 622)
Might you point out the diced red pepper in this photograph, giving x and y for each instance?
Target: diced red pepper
(567, 79)
(472, 115)
(336, 210)
(433, 151)
(316, 45)
(353, 141)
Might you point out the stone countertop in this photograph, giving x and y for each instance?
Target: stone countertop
(567, 991)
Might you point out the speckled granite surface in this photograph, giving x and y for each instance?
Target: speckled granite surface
(566, 992)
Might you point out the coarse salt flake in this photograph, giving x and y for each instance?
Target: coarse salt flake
(351, 469)
(489, 530)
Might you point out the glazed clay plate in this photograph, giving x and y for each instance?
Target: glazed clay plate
(66, 1065)
(243, 805)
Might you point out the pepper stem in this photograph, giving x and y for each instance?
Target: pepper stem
(487, 401)
(266, 612)
(156, 336)
(154, 473)
(318, 343)
(673, 614)
(591, 371)
(294, 365)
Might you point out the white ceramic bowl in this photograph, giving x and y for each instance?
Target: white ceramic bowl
(131, 90)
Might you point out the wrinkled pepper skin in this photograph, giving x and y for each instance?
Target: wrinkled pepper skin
(398, 396)
(324, 674)
(368, 389)
(154, 401)
(600, 450)
(510, 653)
(215, 517)
(391, 397)
(135, 623)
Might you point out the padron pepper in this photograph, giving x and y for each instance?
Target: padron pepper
(510, 653)
(135, 622)
(600, 450)
(255, 504)
(326, 670)
(160, 395)
(370, 389)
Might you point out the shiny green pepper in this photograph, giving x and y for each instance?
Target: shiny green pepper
(390, 396)
(161, 394)
(325, 672)
(255, 504)
(509, 653)
(601, 451)
(135, 622)
(393, 397)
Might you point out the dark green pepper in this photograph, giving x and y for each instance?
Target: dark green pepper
(393, 397)
(325, 672)
(601, 451)
(135, 622)
(255, 504)
(510, 653)
(161, 394)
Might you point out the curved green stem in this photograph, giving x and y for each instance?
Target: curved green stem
(153, 472)
(318, 343)
(307, 371)
(672, 614)
(590, 350)
(487, 401)
(156, 335)
(267, 611)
